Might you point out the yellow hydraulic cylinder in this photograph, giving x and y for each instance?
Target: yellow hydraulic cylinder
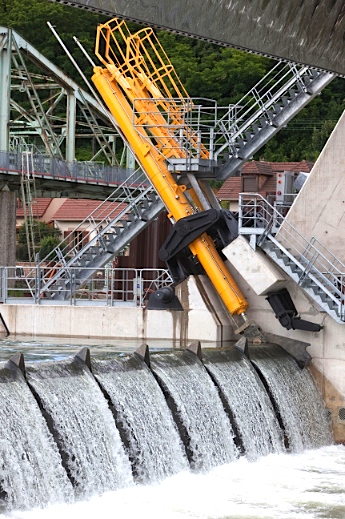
(172, 194)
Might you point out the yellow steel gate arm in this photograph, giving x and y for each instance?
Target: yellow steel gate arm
(116, 85)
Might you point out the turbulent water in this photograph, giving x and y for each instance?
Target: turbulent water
(83, 426)
(142, 415)
(69, 422)
(310, 485)
(245, 395)
(27, 449)
(298, 401)
(203, 422)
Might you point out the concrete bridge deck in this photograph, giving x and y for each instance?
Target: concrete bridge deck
(303, 31)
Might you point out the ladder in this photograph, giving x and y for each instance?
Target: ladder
(28, 194)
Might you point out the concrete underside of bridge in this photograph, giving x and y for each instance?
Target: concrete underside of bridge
(304, 31)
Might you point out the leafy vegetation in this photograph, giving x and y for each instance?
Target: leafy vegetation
(46, 238)
(206, 70)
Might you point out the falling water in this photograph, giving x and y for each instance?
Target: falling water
(67, 405)
(298, 401)
(206, 429)
(31, 470)
(154, 446)
(245, 395)
(83, 426)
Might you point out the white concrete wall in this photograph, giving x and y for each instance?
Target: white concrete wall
(203, 319)
(319, 210)
(73, 321)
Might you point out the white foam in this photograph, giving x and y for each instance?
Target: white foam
(308, 485)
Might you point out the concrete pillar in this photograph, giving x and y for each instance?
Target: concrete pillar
(7, 228)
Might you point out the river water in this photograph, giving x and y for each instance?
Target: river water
(306, 485)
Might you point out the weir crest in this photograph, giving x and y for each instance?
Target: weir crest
(79, 427)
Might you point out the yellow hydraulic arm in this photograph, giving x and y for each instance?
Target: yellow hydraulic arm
(137, 72)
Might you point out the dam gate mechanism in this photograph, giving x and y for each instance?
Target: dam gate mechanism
(181, 143)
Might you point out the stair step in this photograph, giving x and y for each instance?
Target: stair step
(125, 224)
(144, 205)
(131, 217)
(285, 100)
(262, 122)
(240, 142)
(117, 230)
(300, 88)
(308, 81)
(292, 94)
(152, 196)
(272, 116)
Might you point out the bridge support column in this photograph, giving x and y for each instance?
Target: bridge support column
(7, 228)
(5, 90)
(7, 197)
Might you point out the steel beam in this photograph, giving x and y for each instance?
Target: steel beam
(303, 31)
(5, 88)
(70, 127)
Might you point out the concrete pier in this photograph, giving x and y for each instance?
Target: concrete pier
(7, 228)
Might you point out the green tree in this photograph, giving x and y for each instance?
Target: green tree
(206, 70)
(211, 71)
(30, 17)
(48, 243)
(46, 238)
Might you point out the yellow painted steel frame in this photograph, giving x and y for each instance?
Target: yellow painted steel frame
(119, 82)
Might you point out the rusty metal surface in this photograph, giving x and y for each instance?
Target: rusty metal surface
(305, 31)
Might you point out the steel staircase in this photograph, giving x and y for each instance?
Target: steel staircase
(311, 265)
(266, 109)
(97, 240)
(232, 135)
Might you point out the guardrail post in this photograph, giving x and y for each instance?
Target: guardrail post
(141, 285)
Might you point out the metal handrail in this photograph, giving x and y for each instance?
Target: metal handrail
(262, 96)
(107, 286)
(258, 216)
(91, 228)
(192, 126)
(56, 168)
